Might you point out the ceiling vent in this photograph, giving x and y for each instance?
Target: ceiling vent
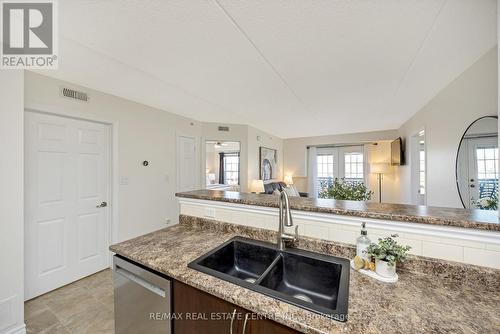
(224, 128)
(74, 94)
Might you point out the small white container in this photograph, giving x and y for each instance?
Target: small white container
(384, 269)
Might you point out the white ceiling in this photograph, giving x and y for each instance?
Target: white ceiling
(292, 68)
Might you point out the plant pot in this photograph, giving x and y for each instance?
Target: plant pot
(384, 269)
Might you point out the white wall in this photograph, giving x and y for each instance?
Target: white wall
(143, 133)
(445, 118)
(211, 162)
(11, 202)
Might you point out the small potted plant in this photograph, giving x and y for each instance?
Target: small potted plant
(386, 253)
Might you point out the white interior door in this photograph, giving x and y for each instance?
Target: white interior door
(483, 168)
(66, 187)
(418, 169)
(186, 163)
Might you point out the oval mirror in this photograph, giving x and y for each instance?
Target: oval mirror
(477, 165)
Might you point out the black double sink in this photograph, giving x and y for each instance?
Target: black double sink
(313, 281)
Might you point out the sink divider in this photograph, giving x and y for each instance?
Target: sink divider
(268, 269)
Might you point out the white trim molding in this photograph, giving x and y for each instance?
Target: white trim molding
(18, 329)
(444, 242)
(10, 320)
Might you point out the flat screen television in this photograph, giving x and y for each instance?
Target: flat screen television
(397, 152)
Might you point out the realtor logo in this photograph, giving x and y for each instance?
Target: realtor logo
(28, 35)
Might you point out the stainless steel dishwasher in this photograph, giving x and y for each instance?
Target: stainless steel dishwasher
(142, 299)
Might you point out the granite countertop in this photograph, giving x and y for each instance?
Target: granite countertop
(475, 219)
(456, 300)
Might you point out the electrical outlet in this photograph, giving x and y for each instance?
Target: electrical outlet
(168, 221)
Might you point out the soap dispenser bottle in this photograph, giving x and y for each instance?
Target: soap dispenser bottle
(362, 243)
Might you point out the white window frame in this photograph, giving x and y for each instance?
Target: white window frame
(226, 171)
(352, 150)
(339, 160)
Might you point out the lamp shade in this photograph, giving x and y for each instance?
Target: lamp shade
(257, 186)
(288, 179)
(380, 168)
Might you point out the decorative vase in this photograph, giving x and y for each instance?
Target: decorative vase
(384, 269)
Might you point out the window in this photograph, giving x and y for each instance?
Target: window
(339, 162)
(487, 170)
(325, 167)
(354, 166)
(422, 172)
(231, 168)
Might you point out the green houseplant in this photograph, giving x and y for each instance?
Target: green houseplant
(386, 253)
(346, 190)
(487, 203)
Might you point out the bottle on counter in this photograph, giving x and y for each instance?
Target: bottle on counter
(362, 243)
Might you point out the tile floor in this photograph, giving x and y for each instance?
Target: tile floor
(85, 306)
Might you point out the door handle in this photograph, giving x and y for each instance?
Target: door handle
(102, 205)
(232, 321)
(140, 281)
(245, 324)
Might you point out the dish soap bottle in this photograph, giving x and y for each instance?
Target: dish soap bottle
(362, 243)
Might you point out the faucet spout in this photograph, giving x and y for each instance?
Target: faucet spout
(285, 213)
(285, 219)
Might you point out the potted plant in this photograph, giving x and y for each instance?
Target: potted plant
(487, 203)
(345, 190)
(386, 253)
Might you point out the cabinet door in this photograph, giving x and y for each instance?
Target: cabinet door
(199, 312)
(255, 324)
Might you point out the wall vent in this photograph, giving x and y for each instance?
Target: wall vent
(74, 94)
(224, 128)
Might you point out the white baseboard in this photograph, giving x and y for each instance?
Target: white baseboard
(17, 329)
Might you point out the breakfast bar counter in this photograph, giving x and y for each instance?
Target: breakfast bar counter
(473, 219)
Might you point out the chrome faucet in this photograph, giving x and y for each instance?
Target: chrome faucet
(285, 219)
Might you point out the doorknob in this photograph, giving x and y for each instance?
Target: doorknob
(102, 205)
